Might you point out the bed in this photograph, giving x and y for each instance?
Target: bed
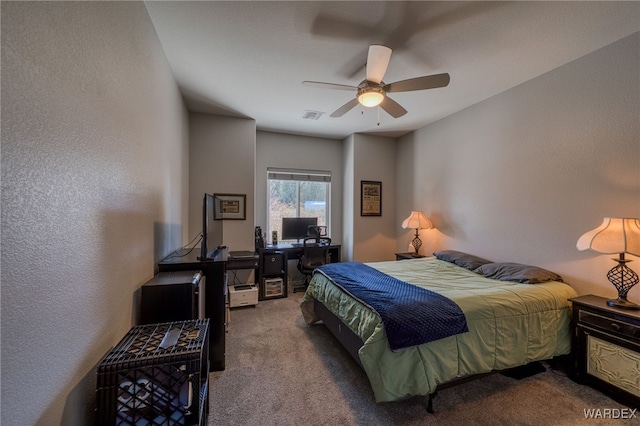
(515, 314)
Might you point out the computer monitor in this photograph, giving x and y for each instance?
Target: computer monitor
(211, 229)
(295, 228)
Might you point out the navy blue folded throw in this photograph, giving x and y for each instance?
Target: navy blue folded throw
(411, 315)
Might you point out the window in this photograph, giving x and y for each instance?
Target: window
(297, 193)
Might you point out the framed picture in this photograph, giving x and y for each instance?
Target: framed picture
(370, 198)
(230, 206)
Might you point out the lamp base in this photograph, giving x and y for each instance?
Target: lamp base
(416, 243)
(623, 278)
(622, 303)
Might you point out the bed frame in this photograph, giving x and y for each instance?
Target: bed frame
(352, 343)
(347, 338)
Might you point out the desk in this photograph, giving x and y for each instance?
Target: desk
(289, 251)
(238, 263)
(295, 251)
(244, 263)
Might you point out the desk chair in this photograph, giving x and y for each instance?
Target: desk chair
(315, 252)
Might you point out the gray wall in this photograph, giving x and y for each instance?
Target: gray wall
(520, 176)
(94, 193)
(298, 152)
(349, 201)
(222, 160)
(374, 237)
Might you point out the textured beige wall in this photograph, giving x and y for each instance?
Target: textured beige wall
(349, 203)
(299, 152)
(222, 160)
(94, 192)
(520, 176)
(374, 237)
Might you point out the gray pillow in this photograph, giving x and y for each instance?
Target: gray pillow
(517, 272)
(462, 259)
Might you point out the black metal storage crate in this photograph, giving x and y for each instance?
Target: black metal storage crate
(156, 375)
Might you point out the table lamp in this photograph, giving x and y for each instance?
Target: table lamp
(417, 220)
(616, 235)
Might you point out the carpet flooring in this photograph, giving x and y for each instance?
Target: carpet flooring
(281, 372)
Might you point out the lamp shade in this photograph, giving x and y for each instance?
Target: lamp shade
(614, 235)
(417, 220)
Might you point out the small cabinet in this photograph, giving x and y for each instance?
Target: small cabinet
(172, 296)
(272, 274)
(606, 348)
(215, 299)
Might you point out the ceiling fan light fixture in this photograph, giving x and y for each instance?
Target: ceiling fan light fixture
(372, 91)
(371, 96)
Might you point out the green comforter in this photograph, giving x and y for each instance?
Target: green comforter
(510, 324)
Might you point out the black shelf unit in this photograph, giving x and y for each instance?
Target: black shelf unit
(272, 276)
(215, 297)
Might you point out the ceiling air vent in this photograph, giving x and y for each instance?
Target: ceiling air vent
(312, 115)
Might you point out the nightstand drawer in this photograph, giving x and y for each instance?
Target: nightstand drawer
(608, 324)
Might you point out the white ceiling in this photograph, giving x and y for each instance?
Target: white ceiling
(248, 58)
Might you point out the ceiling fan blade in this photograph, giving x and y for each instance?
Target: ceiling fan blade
(345, 108)
(329, 85)
(392, 107)
(377, 62)
(419, 83)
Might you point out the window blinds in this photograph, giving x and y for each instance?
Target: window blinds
(299, 175)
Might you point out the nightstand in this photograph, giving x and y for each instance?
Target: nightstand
(606, 348)
(408, 255)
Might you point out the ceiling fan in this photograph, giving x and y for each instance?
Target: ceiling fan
(372, 91)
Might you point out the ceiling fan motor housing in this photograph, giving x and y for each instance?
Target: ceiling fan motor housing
(370, 94)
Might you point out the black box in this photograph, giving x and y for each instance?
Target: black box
(156, 375)
(172, 296)
(273, 263)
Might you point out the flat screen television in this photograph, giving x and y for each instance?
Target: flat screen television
(211, 229)
(295, 228)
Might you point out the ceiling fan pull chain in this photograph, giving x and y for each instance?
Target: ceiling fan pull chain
(378, 115)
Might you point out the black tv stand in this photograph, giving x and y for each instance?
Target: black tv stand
(215, 299)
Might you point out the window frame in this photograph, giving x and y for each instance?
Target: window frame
(298, 175)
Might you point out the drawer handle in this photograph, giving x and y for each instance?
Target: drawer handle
(615, 326)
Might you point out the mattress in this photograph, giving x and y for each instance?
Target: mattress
(510, 324)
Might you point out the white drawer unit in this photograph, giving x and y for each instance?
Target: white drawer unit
(274, 287)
